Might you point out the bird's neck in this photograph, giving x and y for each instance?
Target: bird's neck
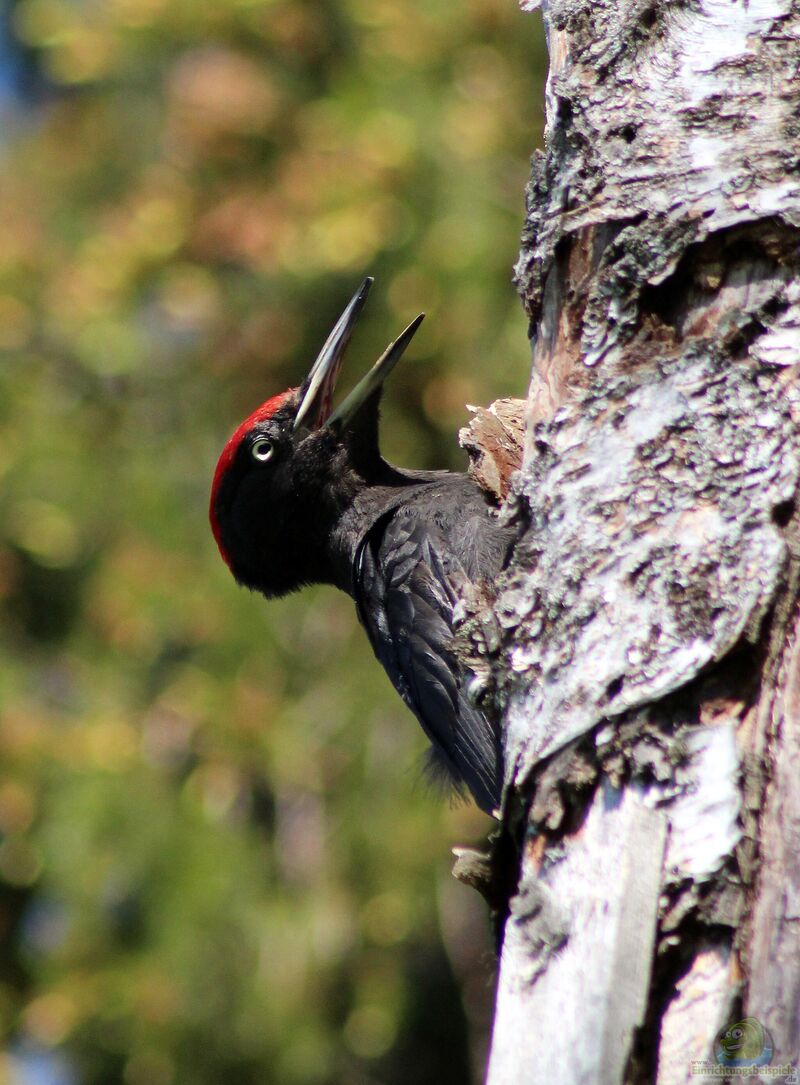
(368, 506)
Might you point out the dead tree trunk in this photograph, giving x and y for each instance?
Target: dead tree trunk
(646, 642)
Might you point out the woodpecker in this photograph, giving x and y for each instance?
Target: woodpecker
(301, 495)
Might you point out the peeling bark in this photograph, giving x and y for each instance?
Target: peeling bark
(644, 646)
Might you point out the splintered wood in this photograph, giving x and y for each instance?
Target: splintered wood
(493, 441)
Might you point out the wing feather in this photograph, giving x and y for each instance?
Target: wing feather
(407, 588)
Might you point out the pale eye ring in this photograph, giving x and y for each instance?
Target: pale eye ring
(262, 449)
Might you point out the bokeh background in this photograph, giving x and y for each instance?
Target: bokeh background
(217, 861)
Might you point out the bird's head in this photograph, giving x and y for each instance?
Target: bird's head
(292, 466)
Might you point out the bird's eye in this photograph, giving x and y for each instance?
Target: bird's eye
(262, 449)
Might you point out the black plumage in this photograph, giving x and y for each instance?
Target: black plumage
(296, 503)
(411, 567)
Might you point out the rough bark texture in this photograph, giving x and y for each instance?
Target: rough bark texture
(645, 644)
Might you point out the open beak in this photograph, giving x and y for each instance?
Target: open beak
(316, 394)
(373, 380)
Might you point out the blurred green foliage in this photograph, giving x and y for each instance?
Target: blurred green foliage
(217, 862)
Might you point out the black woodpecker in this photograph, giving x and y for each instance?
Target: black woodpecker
(301, 495)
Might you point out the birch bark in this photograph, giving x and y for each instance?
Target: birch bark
(645, 643)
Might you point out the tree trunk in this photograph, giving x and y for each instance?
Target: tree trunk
(645, 644)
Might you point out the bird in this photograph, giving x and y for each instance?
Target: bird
(302, 495)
